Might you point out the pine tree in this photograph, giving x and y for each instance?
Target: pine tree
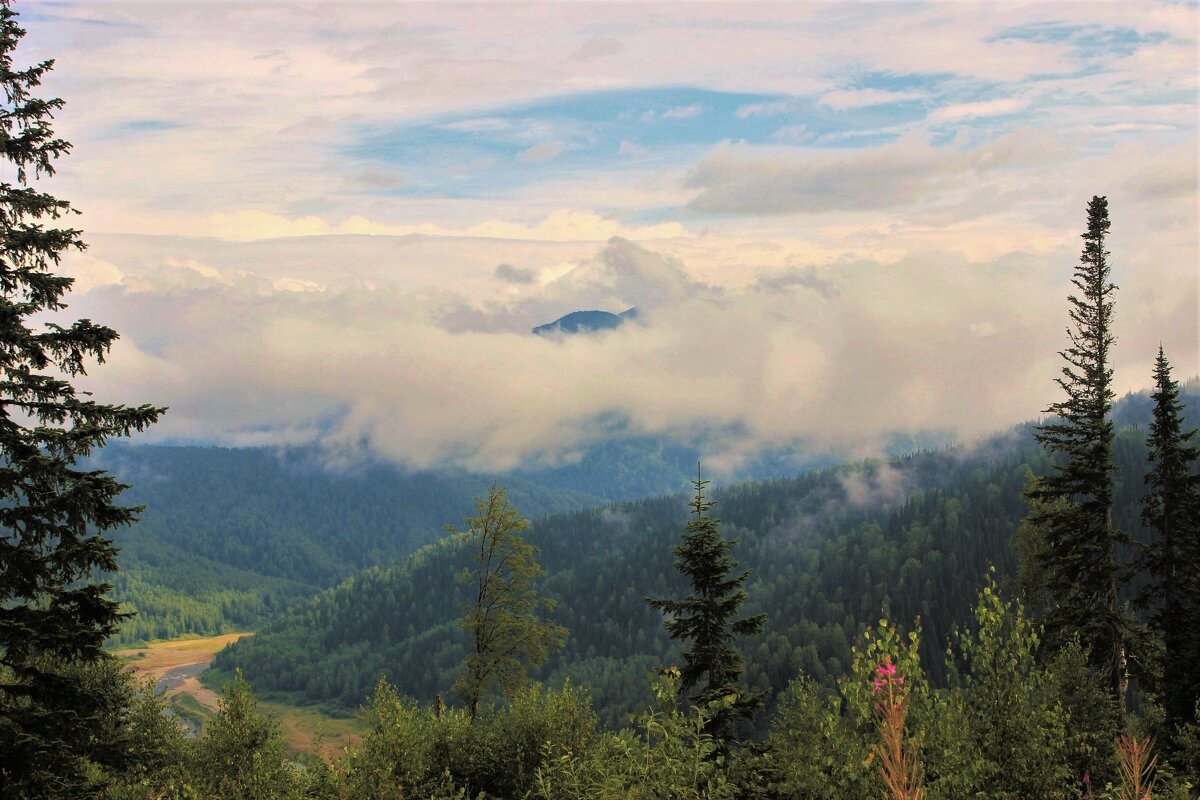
(1171, 508)
(705, 620)
(1072, 505)
(507, 635)
(54, 613)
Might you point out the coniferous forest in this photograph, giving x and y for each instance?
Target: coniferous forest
(1017, 616)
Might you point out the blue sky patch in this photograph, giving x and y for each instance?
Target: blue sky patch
(494, 150)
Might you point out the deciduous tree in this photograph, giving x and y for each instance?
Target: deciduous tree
(507, 633)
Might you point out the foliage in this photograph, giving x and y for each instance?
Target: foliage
(431, 751)
(704, 621)
(671, 757)
(241, 755)
(1072, 506)
(813, 750)
(1016, 727)
(157, 748)
(1171, 510)
(54, 615)
(1090, 712)
(506, 634)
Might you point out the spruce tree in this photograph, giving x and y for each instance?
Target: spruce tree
(705, 621)
(1072, 505)
(1171, 509)
(54, 612)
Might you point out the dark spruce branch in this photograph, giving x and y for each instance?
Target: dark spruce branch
(54, 615)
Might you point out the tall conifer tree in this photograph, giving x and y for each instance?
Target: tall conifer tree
(705, 620)
(1171, 508)
(1072, 505)
(54, 613)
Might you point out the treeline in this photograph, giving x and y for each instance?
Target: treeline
(827, 550)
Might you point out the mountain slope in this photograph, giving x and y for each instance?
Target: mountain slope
(230, 536)
(828, 550)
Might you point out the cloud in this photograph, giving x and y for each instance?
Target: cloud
(684, 112)
(843, 99)
(559, 225)
(542, 152)
(629, 148)
(741, 179)
(793, 134)
(478, 125)
(987, 108)
(768, 109)
(808, 278)
(597, 47)
(280, 341)
(511, 274)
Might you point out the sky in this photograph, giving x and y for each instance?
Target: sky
(337, 223)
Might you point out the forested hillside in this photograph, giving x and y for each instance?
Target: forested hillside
(828, 551)
(230, 536)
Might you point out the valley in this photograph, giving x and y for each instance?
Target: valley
(177, 666)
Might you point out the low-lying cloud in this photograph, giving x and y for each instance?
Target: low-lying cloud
(379, 369)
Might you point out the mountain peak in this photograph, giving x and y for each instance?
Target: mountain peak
(589, 321)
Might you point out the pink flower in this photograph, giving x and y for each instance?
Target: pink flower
(878, 683)
(886, 668)
(900, 679)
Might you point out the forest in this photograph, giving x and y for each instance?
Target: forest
(1013, 618)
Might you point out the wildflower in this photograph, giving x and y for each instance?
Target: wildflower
(887, 668)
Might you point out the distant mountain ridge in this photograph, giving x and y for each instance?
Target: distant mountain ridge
(586, 322)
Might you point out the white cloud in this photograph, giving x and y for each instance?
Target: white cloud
(683, 112)
(542, 152)
(843, 99)
(986, 108)
(923, 342)
(768, 109)
(559, 225)
(793, 134)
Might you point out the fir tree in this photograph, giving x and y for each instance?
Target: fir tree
(1072, 505)
(54, 613)
(507, 635)
(705, 620)
(1171, 508)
